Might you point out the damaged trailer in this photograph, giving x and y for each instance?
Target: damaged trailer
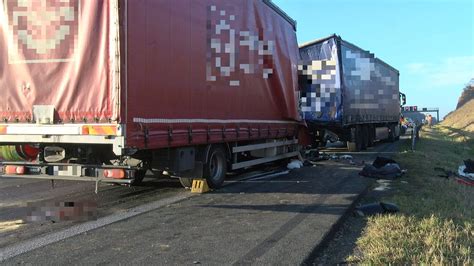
(348, 94)
(106, 90)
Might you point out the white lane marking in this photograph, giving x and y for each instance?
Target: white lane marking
(256, 176)
(269, 176)
(38, 242)
(274, 181)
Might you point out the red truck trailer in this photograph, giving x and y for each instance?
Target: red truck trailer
(104, 90)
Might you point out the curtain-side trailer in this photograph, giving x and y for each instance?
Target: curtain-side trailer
(348, 94)
(104, 90)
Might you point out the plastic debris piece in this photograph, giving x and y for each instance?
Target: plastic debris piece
(346, 157)
(469, 166)
(295, 164)
(462, 172)
(376, 208)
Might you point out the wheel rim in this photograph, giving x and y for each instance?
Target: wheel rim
(216, 166)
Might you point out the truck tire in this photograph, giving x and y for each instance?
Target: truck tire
(215, 169)
(186, 182)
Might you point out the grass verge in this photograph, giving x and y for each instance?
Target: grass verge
(436, 222)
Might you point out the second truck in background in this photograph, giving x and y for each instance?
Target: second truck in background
(348, 94)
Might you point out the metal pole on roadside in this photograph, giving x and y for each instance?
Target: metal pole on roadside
(415, 134)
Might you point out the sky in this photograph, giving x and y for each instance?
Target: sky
(431, 42)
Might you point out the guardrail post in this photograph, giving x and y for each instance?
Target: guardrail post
(415, 134)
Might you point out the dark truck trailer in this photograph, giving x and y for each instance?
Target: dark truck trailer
(347, 94)
(104, 90)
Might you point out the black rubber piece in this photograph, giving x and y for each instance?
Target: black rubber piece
(139, 176)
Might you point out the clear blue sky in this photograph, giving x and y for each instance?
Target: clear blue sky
(431, 42)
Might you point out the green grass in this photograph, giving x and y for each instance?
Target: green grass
(436, 222)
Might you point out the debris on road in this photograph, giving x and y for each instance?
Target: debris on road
(469, 166)
(376, 208)
(461, 176)
(462, 172)
(346, 157)
(295, 164)
(312, 155)
(382, 168)
(389, 171)
(382, 161)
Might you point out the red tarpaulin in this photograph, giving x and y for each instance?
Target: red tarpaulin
(56, 53)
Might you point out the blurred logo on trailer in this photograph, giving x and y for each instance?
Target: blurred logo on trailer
(42, 31)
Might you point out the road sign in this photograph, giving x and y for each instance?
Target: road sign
(410, 108)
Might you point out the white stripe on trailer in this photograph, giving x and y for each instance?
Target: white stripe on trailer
(208, 121)
(44, 130)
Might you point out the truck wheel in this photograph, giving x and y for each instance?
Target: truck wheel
(186, 182)
(216, 168)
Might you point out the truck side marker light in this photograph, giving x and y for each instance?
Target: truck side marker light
(114, 173)
(99, 130)
(3, 130)
(199, 186)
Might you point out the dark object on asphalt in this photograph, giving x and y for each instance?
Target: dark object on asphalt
(382, 161)
(389, 171)
(311, 154)
(376, 208)
(469, 166)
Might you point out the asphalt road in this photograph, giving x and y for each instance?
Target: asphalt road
(279, 219)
